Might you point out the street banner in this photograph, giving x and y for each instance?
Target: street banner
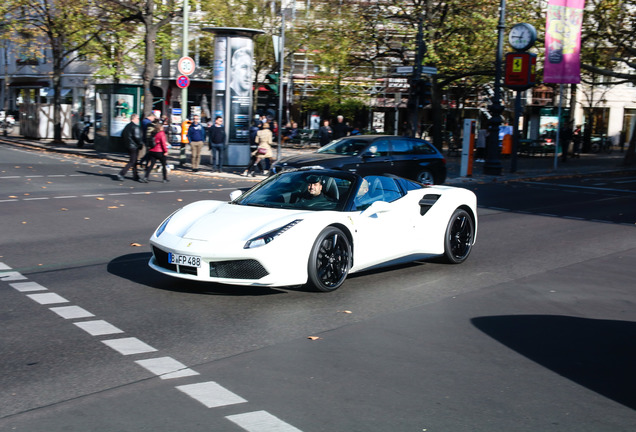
(563, 41)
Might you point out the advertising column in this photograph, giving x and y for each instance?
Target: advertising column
(232, 89)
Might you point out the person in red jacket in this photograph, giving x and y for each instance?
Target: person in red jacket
(158, 152)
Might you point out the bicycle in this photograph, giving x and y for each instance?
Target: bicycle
(603, 144)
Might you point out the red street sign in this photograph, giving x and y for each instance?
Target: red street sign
(520, 70)
(183, 81)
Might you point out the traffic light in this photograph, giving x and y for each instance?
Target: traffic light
(425, 90)
(273, 85)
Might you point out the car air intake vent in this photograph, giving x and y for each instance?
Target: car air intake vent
(427, 202)
(161, 258)
(238, 269)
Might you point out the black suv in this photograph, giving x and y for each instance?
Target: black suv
(375, 154)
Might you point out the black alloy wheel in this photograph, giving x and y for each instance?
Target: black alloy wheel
(460, 234)
(329, 260)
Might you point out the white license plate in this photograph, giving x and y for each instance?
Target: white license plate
(186, 260)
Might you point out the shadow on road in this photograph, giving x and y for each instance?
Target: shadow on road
(134, 267)
(597, 354)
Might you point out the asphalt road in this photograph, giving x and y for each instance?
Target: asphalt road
(534, 332)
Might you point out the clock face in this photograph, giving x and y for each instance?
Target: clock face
(522, 36)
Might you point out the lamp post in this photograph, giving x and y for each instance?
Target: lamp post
(184, 53)
(493, 164)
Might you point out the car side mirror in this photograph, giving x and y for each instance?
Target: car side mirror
(235, 194)
(368, 155)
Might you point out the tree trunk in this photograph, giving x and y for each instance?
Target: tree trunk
(149, 67)
(57, 89)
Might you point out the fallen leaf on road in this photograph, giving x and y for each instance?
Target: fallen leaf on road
(12, 196)
(112, 207)
(313, 337)
(135, 244)
(345, 311)
(63, 209)
(100, 198)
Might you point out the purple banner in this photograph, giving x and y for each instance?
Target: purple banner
(563, 41)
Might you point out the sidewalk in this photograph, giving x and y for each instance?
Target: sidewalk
(527, 167)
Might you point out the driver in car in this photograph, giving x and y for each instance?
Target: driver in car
(313, 195)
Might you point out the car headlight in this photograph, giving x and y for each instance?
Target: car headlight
(163, 225)
(266, 238)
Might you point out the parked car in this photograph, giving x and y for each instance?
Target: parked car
(411, 158)
(314, 227)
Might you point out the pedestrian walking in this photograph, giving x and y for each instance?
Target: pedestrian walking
(480, 155)
(217, 143)
(264, 142)
(146, 132)
(133, 141)
(577, 136)
(565, 136)
(340, 128)
(325, 133)
(196, 136)
(158, 151)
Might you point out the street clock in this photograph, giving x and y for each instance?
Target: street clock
(522, 36)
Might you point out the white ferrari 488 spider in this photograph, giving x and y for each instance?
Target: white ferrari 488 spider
(315, 226)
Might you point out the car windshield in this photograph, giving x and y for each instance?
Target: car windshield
(302, 190)
(345, 146)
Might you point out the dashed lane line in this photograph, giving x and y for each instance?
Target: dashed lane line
(261, 421)
(129, 346)
(114, 194)
(98, 327)
(210, 393)
(166, 367)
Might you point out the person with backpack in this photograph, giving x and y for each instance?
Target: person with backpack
(157, 152)
(146, 133)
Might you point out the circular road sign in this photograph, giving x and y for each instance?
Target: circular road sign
(185, 65)
(183, 81)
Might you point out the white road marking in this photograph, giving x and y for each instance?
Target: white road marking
(98, 327)
(261, 421)
(11, 276)
(579, 187)
(28, 286)
(63, 197)
(211, 394)
(71, 312)
(9, 200)
(48, 298)
(36, 199)
(129, 346)
(166, 367)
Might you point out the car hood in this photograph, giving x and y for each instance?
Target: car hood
(312, 159)
(231, 222)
